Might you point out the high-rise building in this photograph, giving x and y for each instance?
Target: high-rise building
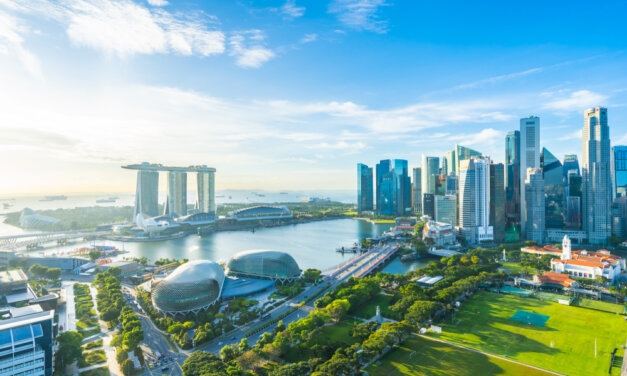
(428, 205)
(27, 342)
(446, 209)
(451, 184)
(364, 188)
(462, 153)
(596, 176)
(620, 170)
(534, 200)
(176, 203)
(440, 185)
(497, 201)
(147, 194)
(554, 189)
(529, 158)
(205, 188)
(619, 217)
(570, 164)
(512, 186)
(387, 194)
(430, 169)
(449, 162)
(393, 187)
(573, 200)
(401, 171)
(417, 190)
(474, 200)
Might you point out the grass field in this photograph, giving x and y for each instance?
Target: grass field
(513, 267)
(566, 344)
(330, 335)
(602, 306)
(369, 309)
(420, 356)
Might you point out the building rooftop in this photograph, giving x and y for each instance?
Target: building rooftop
(13, 276)
(159, 167)
(26, 319)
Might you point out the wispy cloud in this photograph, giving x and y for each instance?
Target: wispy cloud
(158, 3)
(249, 49)
(360, 14)
(291, 10)
(12, 42)
(576, 135)
(573, 100)
(308, 38)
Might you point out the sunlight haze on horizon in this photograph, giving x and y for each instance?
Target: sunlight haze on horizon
(291, 95)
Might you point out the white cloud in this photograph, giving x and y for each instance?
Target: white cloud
(158, 3)
(340, 145)
(291, 10)
(571, 136)
(360, 14)
(124, 27)
(249, 49)
(11, 42)
(574, 101)
(308, 38)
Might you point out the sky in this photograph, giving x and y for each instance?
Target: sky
(292, 94)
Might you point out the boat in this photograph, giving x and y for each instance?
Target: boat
(54, 198)
(282, 193)
(6, 205)
(105, 200)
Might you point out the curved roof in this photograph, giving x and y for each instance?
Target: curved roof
(193, 286)
(263, 263)
(261, 210)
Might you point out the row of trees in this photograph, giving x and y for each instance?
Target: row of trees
(41, 272)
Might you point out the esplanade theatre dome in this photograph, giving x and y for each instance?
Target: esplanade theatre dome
(192, 287)
(264, 264)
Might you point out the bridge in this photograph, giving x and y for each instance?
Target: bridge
(34, 240)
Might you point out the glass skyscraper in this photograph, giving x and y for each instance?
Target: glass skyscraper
(554, 189)
(620, 170)
(205, 190)
(393, 187)
(364, 188)
(147, 193)
(446, 209)
(529, 157)
(535, 202)
(512, 186)
(497, 201)
(474, 197)
(417, 190)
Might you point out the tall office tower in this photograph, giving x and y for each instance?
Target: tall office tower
(512, 186)
(205, 188)
(534, 200)
(619, 217)
(147, 193)
(474, 200)
(570, 164)
(27, 342)
(554, 189)
(620, 170)
(417, 191)
(382, 168)
(176, 203)
(449, 162)
(446, 209)
(451, 184)
(573, 200)
(596, 176)
(403, 184)
(428, 204)
(497, 201)
(364, 188)
(529, 158)
(463, 153)
(440, 185)
(430, 168)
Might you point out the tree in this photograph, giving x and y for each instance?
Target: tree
(293, 369)
(53, 274)
(94, 254)
(364, 330)
(228, 353)
(70, 348)
(127, 367)
(243, 345)
(338, 308)
(115, 271)
(421, 311)
(203, 364)
(311, 275)
(37, 271)
(133, 338)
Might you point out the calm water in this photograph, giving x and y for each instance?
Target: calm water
(312, 244)
(396, 266)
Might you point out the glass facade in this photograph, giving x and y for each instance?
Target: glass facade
(512, 186)
(364, 188)
(147, 193)
(264, 264)
(620, 170)
(205, 185)
(393, 187)
(176, 203)
(554, 190)
(497, 201)
(446, 209)
(462, 153)
(417, 190)
(428, 204)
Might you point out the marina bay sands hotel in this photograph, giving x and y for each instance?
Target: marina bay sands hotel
(147, 193)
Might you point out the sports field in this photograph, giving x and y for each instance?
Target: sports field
(566, 343)
(420, 356)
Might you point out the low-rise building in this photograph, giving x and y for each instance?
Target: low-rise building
(14, 288)
(546, 250)
(558, 280)
(440, 234)
(586, 264)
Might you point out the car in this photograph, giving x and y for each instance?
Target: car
(233, 338)
(165, 369)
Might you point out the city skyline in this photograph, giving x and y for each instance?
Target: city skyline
(233, 86)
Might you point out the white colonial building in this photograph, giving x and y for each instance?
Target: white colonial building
(585, 264)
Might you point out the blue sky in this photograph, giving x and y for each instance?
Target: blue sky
(291, 94)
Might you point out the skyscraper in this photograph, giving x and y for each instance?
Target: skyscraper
(176, 203)
(446, 209)
(417, 190)
(497, 201)
(534, 200)
(554, 189)
(529, 158)
(205, 188)
(401, 172)
(596, 176)
(462, 153)
(393, 187)
(451, 184)
(512, 186)
(619, 217)
(570, 164)
(428, 205)
(449, 162)
(364, 188)
(620, 170)
(474, 200)
(430, 168)
(573, 200)
(382, 168)
(147, 194)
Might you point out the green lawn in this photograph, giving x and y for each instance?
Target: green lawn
(420, 356)
(513, 267)
(91, 358)
(602, 306)
(102, 371)
(87, 323)
(566, 343)
(330, 335)
(369, 309)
